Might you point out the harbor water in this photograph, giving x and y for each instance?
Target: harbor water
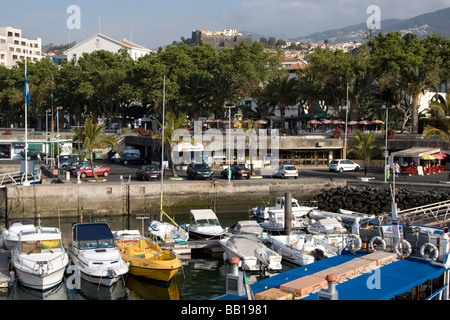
(202, 276)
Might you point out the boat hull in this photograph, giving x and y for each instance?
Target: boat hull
(146, 259)
(290, 254)
(40, 282)
(105, 276)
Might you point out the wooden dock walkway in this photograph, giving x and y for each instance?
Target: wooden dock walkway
(186, 248)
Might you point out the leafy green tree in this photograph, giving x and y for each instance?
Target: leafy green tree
(92, 137)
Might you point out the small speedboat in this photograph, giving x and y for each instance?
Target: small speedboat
(167, 232)
(262, 213)
(39, 259)
(254, 255)
(94, 253)
(326, 226)
(244, 227)
(205, 225)
(301, 248)
(145, 257)
(10, 236)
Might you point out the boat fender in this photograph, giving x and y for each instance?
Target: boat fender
(379, 242)
(429, 251)
(354, 242)
(399, 248)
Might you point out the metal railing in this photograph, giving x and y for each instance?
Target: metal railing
(18, 177)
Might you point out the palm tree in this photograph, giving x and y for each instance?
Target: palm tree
(362, 146)
(172, 133)
(282, 91)
(91, 137)
(440, 113)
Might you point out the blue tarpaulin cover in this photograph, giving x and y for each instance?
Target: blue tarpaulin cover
(92, 231)
(393, 279)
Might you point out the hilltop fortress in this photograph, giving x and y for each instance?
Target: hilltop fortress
(221, 39)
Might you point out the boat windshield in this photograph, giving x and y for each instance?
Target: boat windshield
(207, 222)
(43, 246)
(96, 244)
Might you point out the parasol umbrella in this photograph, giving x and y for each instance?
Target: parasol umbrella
(337, 122)
(314, 122)
(439, 155)
(352, 123)
(427, 157)
(262, 121)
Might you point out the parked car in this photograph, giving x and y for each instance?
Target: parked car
(76, 164)
(32, 154)
(135, 151)
(342, 165)
(148, 173)
(199, 171)
(127, 158)
(285, 171)
(237, 172)
(87, 171)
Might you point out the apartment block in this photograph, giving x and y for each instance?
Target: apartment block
(14, 47)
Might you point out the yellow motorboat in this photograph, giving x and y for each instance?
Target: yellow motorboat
(146, 258)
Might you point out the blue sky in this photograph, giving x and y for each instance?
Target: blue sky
(158, 23)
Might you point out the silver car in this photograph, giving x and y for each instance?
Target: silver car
(285, 171)
(342, 165)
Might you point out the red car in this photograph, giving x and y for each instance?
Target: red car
(86, 171)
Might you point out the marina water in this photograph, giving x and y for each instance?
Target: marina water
(202, 277)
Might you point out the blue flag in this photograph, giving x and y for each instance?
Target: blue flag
(26, 91)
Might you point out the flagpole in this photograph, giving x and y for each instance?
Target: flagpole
(26, 183)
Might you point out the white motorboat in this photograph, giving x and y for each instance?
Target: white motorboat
(167, 232)
(39, 259)
(276, 224)
(301, 248)
(263, 212)
(95, 254)
(245, 227)
(10, 236)
(254, 255)
(205, 225)
(326, 226)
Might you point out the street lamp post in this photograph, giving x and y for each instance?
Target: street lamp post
(386, 152)
(229, 107)
(346, 120)
(57, 130)
(46, 135)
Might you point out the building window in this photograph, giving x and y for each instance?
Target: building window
(10, 34)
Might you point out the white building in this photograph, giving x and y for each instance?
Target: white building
(14, 47)
(102, 42)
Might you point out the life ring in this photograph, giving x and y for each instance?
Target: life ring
(380, 244)
(354, 242)
(429, 251)
(399, 248)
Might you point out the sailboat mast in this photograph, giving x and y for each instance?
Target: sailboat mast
(162, 149)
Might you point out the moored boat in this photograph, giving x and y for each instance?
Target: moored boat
(145, 257)
(10, 236)
(39, 259)
(254, 255)
(94, 253)
(205, 225)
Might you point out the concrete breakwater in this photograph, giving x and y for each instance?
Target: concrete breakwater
(376, 200)
(112, 199)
